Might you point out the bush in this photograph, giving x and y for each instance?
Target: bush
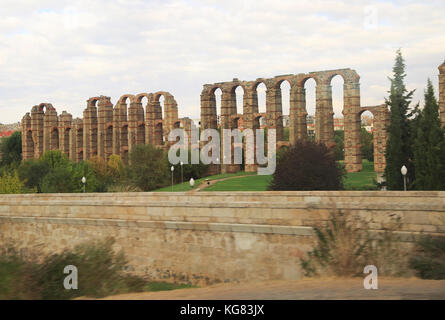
(148, 167)
(101, 272)
(429, 258)
(10, 183)
(11, 149)
(344, 247)
(32, 172)
(307, 166)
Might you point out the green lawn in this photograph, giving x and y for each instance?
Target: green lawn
(362, 180)
(250, 183)
(186, 185)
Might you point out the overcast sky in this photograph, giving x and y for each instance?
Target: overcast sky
(64, 52)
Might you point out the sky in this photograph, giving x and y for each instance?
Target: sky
(64, 52)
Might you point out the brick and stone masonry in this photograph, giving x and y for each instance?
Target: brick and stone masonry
(106, 129)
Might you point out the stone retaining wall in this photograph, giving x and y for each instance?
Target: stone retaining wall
(209, 237)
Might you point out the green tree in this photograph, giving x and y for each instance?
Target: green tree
(32, 172)
(367, 145)
(148, 167)
(429, 146)
(11, 183)
(307, 166)
(11, 150)
(398, 149)
(339, 149)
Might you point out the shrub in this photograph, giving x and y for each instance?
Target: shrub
(11, 149)
(148, 167)
(345, 246)
(32, 172)
(307, 166)
(11, 183)
(101, 272)
(428, 259)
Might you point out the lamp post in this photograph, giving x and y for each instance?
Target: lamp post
(172, 169)
(218, 165)
(192, 182)
(84, 181)
(182, 176)
(404, 171)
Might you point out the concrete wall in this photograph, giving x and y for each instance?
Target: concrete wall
(208, 237)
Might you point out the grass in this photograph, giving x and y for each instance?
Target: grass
(249, 183)
(363, 180)
(186, 185)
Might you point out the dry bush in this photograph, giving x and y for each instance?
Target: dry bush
(345, 246)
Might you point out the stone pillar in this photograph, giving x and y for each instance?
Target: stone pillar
(442, 93)
(324, 123)
(136, 124)
(226, 123)
(116, 131)
(37, 130)
(352, 125)
(250, 107)
(105, 118)
(27, 140)
(381, 123)
(77, 140)
(297, 114)
(90, 129)
(65, 125)
(274, 111)
(50, 129)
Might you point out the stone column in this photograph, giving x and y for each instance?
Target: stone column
(381, 122)
(37, 130)
(250, 107)
(208, 118)
(27, 141)
(297, 114)
(49, 125)
(324, 123)
(274, 111)
(352, 125)
(105, 116)
(226, 123)
(90, 129)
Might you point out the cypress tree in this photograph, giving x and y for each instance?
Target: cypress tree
(429, 146)
(398, 149)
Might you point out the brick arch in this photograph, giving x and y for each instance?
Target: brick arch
(302, 80)
(92, 102)
(277, 81)
(138, 98)
(123, 99)
(165, 94)
(46, 106)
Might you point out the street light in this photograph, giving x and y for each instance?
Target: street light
(182, 176)
(192, 182)
(84, 181)
(404, 171)
(172, 169)
(217, 164)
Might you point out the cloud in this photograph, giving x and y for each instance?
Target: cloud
(64, 52)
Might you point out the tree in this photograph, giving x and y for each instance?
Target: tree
(367, 145)
(148, 167)
(307, 166)
(398, 149)
(429, 146)
(32, 172)
(11, 149)
(339, 149)
(11, 183)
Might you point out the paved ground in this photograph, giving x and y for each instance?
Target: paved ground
(212, 182)
(351, 288)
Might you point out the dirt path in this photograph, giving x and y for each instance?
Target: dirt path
(212, 182)
(331, 289)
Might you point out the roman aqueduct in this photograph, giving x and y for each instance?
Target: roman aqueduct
(106, 129)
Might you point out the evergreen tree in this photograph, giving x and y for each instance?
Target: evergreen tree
(429, 146)
(398, 149)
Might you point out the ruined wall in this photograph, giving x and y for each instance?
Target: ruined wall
(104, 130)
(209, 237)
